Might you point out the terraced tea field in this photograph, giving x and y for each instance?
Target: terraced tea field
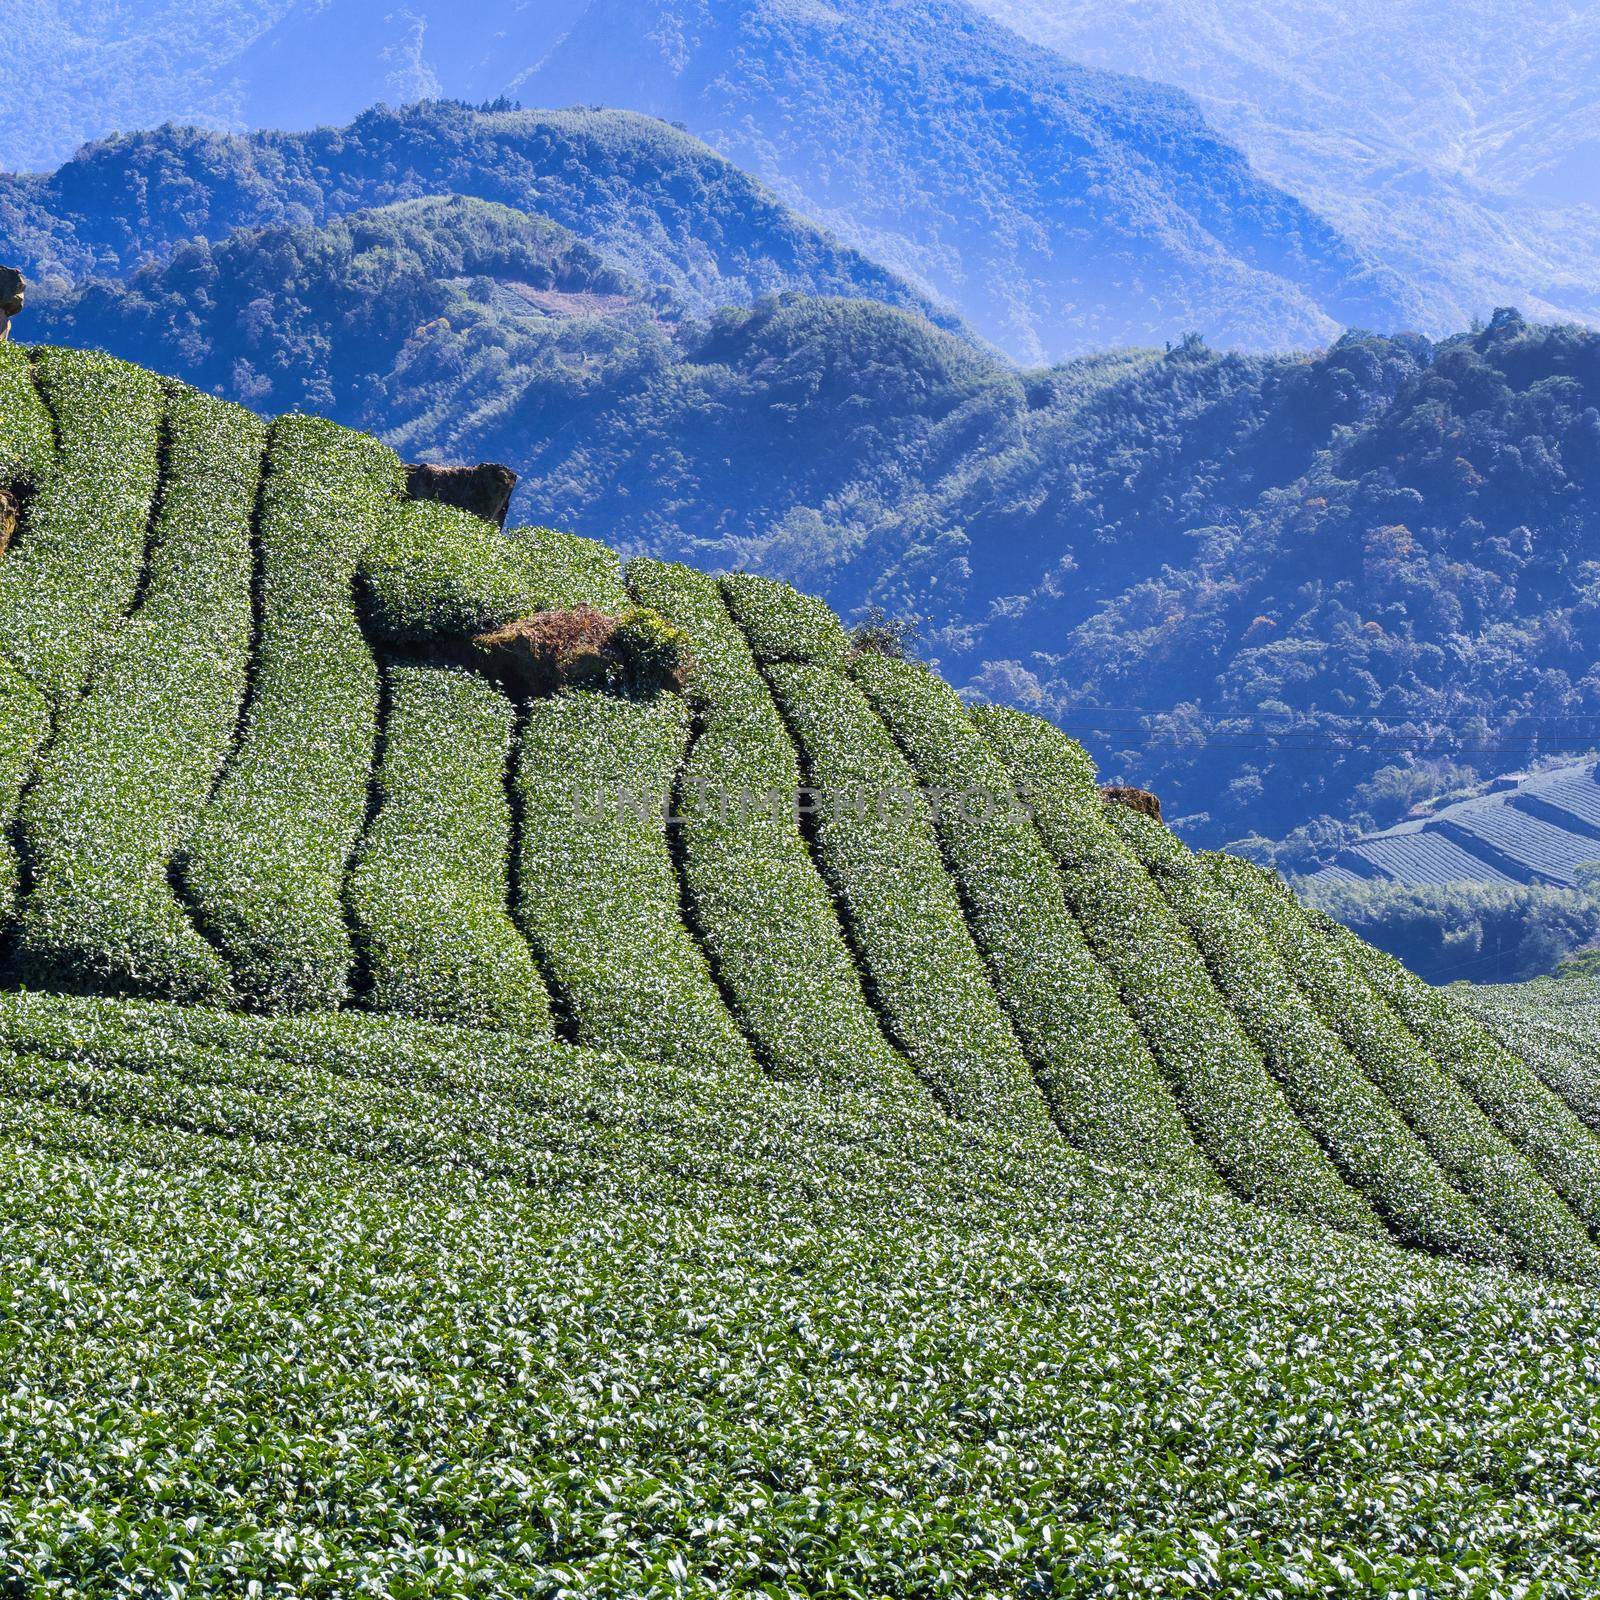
(761, 1129)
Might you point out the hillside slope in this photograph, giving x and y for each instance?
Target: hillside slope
(653, 201)
(255, 760)
(1455, 142)
(1059, 210)
(736, 1126)
(1056, 209)
(1291, 595)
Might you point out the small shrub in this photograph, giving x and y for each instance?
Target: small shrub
(879, 634)
(637, 653)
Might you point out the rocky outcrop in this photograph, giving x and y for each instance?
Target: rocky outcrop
(9, 513)
(1140, 800)
(12, 285)
(483, 490)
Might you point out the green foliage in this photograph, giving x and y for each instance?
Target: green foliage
(24, 727)
(1103, 1087)
(76, 563)
(1234, 1108)
(1484, 932)
(755, 897)
(474, 1315)
(781, 624)
(265, 869)
(597, 891)
(435, 574)
(652, 652)
(1514, 1198)
(571, 571)
(879, 634)
(1554, 1028)
(876, 846)
(132, 763)
(1563, 1150)
(1362, 1133)
(27, 440)
(428, 892)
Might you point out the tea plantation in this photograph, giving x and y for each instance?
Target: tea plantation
(768, 1130)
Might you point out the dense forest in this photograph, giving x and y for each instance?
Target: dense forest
(651, 199)
(1293, 594)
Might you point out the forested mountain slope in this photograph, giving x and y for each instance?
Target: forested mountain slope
(1056, 209)
(650, 199)
(1455, 141)
(1059, 210)
(1290, 594)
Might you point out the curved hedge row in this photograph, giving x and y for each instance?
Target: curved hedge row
(1367, 1139)
(1104, 1089)
(1511, 1195)
(758, 904)
(781, 624)
(1234, 1107)
(24, 727)
(1563, 1057)
(74, 569)
(569, 571)
(265, 871)
(877, 848)
(133, 760)
(434, 573)
(597, 892)
(27, 439)
(1538, 1122)
(429, 891)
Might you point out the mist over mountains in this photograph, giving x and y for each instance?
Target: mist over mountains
(1057, 210)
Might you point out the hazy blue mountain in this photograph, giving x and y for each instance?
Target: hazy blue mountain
(1290, 593)
(650, 199)
(1457, 140)
(1058, 210)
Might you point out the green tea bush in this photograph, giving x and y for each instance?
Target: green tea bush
(342, 1304)
(1235, 1109)
(570, 571)
(781, 624)
(27, 439)
(597, 892)
(760, 907)
(1104, 1089)
(265, 869)
(436, 574)
(1365, 1137)
(75, 566)
(876, 846)
(24, 727)
(1539, 1022)
(133, 761)
(428, 893)
(1536, 1121)
(1512, 1196)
